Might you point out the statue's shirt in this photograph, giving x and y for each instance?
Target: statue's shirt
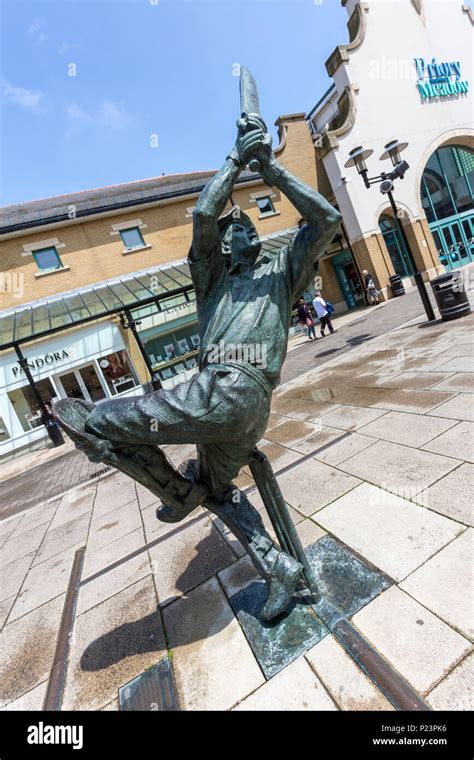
(244, 315)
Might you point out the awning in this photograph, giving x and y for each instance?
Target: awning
(41, 318)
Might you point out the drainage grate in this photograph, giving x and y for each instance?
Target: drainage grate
(100, 472)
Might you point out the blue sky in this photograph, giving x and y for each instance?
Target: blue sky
(146, 67)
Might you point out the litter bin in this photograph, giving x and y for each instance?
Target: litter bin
(397, 285)
(450, 295)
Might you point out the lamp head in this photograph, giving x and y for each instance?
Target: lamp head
(393, 150)
(357, 158)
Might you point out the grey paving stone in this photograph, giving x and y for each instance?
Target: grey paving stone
(311, 485)
(7, 528)
(112, 580)
(457, 442)
(456, 691)
(213, 664)
(44, 582)
(413, 400)
(351, 417)
(419, 380)
(112, 492)
(35, 518)
(393, 534)
(65, 535)
(18, 546)
(279, 456)
(349, 687)
(419, 645)
(187, 558)
(318, 440)
(444, 584)
(458, 364)
(13, 575)
(74, 504)
(461, 382)
(31, 701)
(344, 449)
(113, 643)
(295, 688)
(398, 468)
(461, 407)
(27, 648)
(237, 576)
(291, 432)
(407, 429)
(107, 556)
(453, 495)
(5, 608)
(309, 532)
(114, 524)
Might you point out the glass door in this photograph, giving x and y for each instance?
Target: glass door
(83, 383)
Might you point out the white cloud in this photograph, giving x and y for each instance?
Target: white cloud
(20, 96)
(112, 115)
(77, 114)
(35, 30)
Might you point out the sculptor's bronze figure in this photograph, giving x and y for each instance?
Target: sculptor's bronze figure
(244, 301)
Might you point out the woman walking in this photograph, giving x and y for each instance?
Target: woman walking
(306, 318)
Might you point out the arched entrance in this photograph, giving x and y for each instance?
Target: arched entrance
(447, 196)
(395, 246)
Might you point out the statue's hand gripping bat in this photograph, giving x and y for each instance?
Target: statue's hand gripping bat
(249, 106)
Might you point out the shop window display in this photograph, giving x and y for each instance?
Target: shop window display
(117, 372)
(4, 434)
(26, 405)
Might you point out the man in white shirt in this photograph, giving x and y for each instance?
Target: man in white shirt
(322, 313)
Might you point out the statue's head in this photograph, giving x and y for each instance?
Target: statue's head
(239, 237)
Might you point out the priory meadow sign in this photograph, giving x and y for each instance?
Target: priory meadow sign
(437, 80)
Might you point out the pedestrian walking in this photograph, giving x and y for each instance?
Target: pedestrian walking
(306, 319)
(323, 311)
(372, 292)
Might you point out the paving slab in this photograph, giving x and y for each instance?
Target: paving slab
(35, 518)
(311, 485)
(457, 442)
(453, 495)
(456, 691)
(18, 546)
(65, 535)
(351, 417)
(31, 701)
(111, 644)
(398, 468)
(44, 582)
(390, 532)
(144, 496)
(279, 456)
(207, 642)
(418, 380)
(460, 407)
(188, 558)
(114, 524)
(118, 551)
(112, 492)
(342, 450)
(309, 532)
(5, 608)
(74, 504)
(317, 440)
(444, 584)
(412, 400)
(408, 429)
(13, 575)
(458, 364)
(237, 576)
(295, 688)
(155, 528)
(27, 648)
(461, 382)
(417, 643)
(349, 687)
(109, 582)
(291, 432)
(7, 527)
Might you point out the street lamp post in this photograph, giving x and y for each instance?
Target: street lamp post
(357, 158)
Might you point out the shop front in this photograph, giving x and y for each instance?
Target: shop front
(91, 363)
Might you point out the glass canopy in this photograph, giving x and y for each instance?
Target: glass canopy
(44, 317)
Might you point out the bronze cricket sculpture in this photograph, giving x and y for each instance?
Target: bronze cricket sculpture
(244, 298)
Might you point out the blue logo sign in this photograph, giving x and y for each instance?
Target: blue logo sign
(437, 80)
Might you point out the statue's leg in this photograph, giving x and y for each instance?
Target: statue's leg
(221, 463)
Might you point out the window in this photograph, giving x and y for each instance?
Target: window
(132, 238)
(265, 206)
(26, 404)
(395, 246)
(117, 372)
(47, 259)
(4, 434)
